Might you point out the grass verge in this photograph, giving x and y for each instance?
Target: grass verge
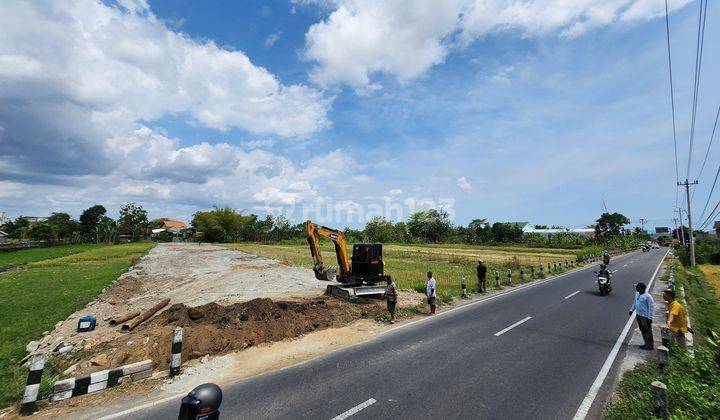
(408, 267)
(24, 256)
(693, 383)
(34, 297)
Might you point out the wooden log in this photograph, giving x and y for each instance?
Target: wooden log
(129, 326)
(124, 318)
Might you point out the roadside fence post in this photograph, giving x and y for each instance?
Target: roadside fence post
(665, 336)
(532, 271)
(509, 276)
(549, 269)
(663, 355)
(497, 279)
(463, 287)
(660, 399)
(522, 273)
(176, 351)
(29, 401)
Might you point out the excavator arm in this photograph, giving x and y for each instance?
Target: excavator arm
(314, 233)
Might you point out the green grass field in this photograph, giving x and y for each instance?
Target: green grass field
(24, 256)
(34, 297)
(408, 264)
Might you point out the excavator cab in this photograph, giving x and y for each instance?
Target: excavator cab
(367, 260)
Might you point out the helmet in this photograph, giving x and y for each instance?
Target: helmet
(603, 266)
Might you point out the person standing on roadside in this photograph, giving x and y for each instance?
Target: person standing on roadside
(482, 276)
(643, 307)
(677, 319)
(431, 292)
(391, 296)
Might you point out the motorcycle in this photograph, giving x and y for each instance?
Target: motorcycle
(604, 283)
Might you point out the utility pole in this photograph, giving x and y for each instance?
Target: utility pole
(677, 231)
(687, 185)
(642, 223)
(681, 231)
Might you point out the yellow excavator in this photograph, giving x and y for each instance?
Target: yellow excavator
(357, 275)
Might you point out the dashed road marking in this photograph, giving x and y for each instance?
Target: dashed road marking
(587, 402)
(355, 409)
(503, 331)
(572, 294)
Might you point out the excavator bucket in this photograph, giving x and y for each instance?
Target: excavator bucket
(327, 274)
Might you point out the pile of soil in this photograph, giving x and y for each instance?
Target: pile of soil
(215, 329)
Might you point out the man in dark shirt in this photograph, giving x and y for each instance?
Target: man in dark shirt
(482, 276)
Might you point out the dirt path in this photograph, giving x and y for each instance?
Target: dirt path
(187, 274)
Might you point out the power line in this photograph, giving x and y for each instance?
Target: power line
(712, 136)
(672, 96)
(698, 66)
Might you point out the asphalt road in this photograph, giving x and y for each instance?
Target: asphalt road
(532, 353)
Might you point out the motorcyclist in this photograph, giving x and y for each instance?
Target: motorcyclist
(606, 257)
(604, 272)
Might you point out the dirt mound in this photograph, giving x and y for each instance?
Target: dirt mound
(216, 329)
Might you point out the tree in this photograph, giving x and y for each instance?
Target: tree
(506, 232)
(65, 227)
(610, 224)
(430, 226)
(105, 230)
(43, 231)
(17, 229)
(226, 225)
(132, 219)
(400, 232)
(478, 231)
(89, 218)
(379, 229)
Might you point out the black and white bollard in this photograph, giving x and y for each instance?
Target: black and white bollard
(663, 356)
(660, 399)
(509, 277)
(532, 271)
(29, 401)
(463, 287)
(497, 278)
(176, 351)
(549, 268)
(522, 273)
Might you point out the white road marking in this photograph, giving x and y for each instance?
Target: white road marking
(503, 331)
(355, 409)
(572, 294)
(624, 266)
(587, 402)
(127, 412)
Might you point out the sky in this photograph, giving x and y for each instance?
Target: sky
(341, 110)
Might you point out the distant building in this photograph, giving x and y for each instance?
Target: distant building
(3, 237)
(168, 224)
(588, 232)
(3, 219)
(716, 226)
(34, 219)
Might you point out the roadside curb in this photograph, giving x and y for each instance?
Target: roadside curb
(97, 381)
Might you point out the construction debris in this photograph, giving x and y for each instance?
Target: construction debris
(124, 318)
(129, 326)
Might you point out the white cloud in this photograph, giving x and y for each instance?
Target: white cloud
(257, 144)
(395, 191)
(405, 38)
(464, 184)
(78, 76)
(272, 38)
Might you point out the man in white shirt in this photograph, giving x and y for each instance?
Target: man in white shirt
(431, 292)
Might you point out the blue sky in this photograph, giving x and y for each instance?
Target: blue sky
(340, 110)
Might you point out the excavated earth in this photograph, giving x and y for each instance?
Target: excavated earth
(212, 329)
